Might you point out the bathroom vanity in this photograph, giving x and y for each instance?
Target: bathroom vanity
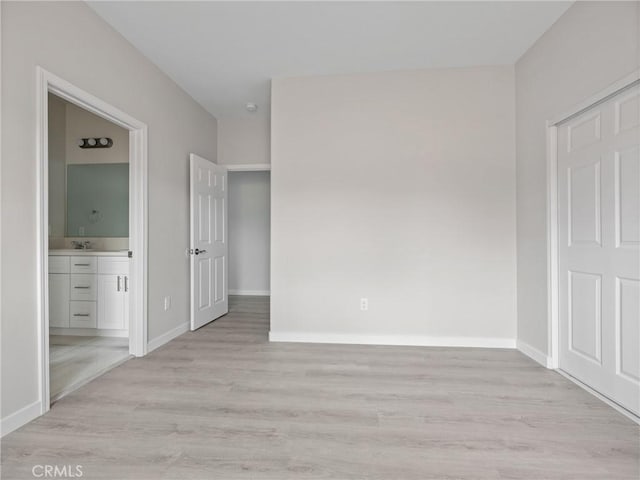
(89, 292)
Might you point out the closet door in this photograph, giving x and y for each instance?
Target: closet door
(599, 240)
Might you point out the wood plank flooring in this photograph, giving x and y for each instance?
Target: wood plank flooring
(224, 403)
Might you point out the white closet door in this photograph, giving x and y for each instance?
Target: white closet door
(599, 244)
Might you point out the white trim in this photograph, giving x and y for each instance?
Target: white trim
(42, 232)
(17, 419)
(255, 293)
(401, 340)
(534, 354)
(611, 403)
(553, 312)
(552, 246)
(138, 204)
(167, 337)
(88, 332)
(601, 96)
(248, 167)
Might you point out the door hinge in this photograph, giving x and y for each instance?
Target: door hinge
(130, 254)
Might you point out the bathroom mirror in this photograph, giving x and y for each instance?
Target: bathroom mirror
(97, 200)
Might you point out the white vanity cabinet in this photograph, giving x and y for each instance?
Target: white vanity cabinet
(59, 292)
(113, 293)
(89, 292)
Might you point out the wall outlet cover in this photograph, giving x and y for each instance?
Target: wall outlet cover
(364, 304)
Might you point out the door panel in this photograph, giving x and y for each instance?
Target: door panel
(627, 111)
(598, 246)
(584, 204)
(628, 312)
(219, 286)
(585, 323)
(627, 219)
(208, 250)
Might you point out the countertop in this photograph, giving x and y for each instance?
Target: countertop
(89, 253)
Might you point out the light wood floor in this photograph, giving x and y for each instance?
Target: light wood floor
(223, 403)
(74, 360)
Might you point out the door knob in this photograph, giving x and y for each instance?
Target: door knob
(198, 251)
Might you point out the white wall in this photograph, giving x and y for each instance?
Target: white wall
(249, 233)
(65, 38)
(57, 165)
(591, 46)
(398, 187)
(244, 139)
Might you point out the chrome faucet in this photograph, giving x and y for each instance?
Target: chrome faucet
(81, 245)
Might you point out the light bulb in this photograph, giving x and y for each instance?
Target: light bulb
(104, 141)
(92, 142)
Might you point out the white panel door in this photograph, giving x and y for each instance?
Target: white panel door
(599, 247)
(208, 241)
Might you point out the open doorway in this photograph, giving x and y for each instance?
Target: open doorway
(92, 236)
(249, 239)
(88, 245)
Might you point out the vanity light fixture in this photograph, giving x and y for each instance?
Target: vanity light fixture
(102, 142)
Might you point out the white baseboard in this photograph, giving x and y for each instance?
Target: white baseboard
(167, 337)
(402, 340)
(17, 419)
(256, 293)
(534, 354)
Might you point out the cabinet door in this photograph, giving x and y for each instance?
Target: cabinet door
(113, 308)
(59, 300)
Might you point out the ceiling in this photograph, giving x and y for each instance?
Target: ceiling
(225, 53)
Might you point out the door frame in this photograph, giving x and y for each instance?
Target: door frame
(553, 274)
(47, 82)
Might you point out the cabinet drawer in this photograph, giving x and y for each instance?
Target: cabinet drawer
(58, 264)
(82, 314)
(83, 265)
(113, 266)
(83, 287)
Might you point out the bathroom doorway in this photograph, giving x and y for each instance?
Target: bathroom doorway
(92, 231)
(88, 182)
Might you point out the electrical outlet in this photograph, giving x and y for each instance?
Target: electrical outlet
(364, 304)
(167, 303)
